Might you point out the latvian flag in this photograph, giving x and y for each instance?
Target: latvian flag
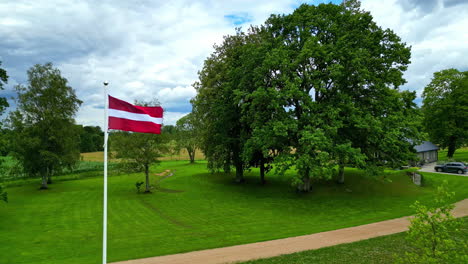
(127, 117)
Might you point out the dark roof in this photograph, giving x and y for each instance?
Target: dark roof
(426, 146)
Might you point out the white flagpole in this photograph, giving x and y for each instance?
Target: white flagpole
(104, 225)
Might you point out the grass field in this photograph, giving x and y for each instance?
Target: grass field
(460, 155)
(382, 250)
(193, 210)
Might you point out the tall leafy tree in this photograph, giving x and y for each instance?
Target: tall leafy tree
(138, 151)
(259, 101)
(313, 89)
(445, 109)
(340, 73)
(45, 137)
(187, 136)
(3, 105)
(222, 133)
(3, 80)
(91, 138)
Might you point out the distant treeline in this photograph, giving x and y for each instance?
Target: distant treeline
(91, 139)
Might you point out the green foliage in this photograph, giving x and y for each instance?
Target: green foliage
(137, 151)
(138, 185)
(168, 130)
(137, 148)
(434, 231)
(220, 127)
(91, 138)
(187, 136)
(445, 109)
(3, 80)
(3, 195)
(10, 169)
(4, 143)
(314, 89)
(45, 139)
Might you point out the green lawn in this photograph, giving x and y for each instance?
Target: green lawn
(460, 154)
(380, 250)
(195, 210)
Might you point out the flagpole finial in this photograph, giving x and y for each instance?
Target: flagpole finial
(106, 83)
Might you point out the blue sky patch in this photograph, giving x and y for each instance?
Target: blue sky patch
(238, 18)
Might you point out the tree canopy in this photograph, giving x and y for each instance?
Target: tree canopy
(187, 136)
(91, 138)
(218, 110)
(3, 80)
(138, 151)
(313, 89)
(45, 137)
(3, 105)
(445, 109)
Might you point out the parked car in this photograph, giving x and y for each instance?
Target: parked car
(458, 167)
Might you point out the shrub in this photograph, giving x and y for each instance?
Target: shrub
(138, 186)
(434, 234)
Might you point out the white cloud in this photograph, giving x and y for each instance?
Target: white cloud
(170, 118)
(435, 30)
(145, 49)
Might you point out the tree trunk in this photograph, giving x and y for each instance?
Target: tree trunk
(44, 182)
(340, 179)
(306, 184)
(239, 172)
(147, 189)
(49, 176)
(227, 166)
(191, 153)
(451, 146)
(262, 171)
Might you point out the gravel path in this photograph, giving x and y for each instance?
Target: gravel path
(289, 245)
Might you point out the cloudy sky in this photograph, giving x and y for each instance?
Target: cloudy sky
(153, 49)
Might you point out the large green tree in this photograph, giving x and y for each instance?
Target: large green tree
(314, 89)
(45, 137)
(91, 138)
(3, 105)
(330, 83)
(445, 109)
(187, 136)
(3, 80)
(138, 151)
(222, 132)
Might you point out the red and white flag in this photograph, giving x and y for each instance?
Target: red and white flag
(127, 117)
